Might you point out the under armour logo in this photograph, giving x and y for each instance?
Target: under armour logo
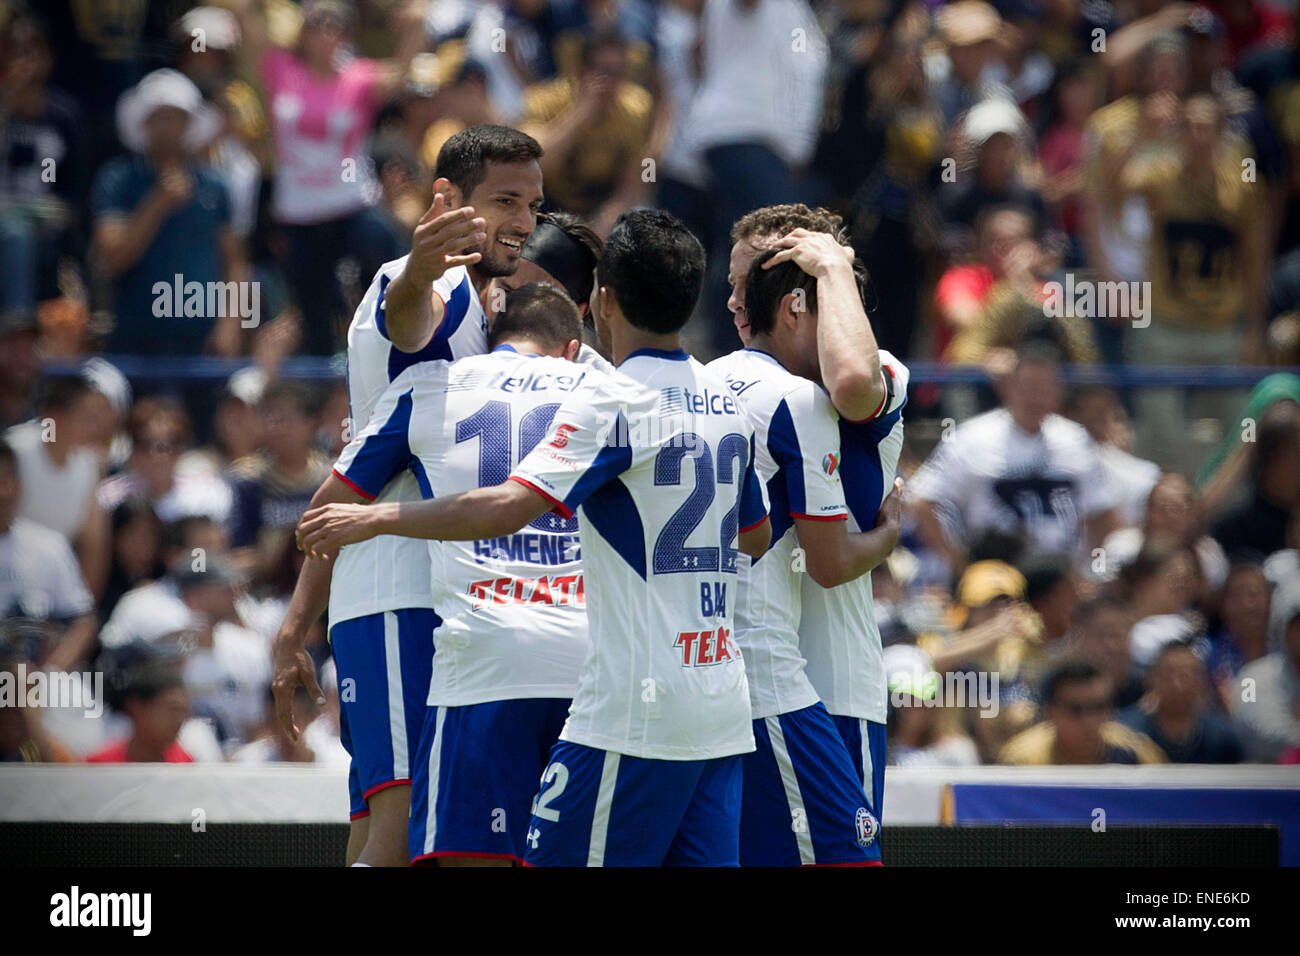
(532, 838)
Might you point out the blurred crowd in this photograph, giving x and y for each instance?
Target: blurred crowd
(1122, 561)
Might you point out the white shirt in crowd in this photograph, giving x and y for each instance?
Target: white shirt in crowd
(55, 496)
(990, 475)
(39, 574)
(761, 79)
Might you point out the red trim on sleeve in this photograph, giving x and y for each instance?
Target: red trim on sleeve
(754, 525)
(353, 485)
(884, 370)
(360, 815)
(559, 507)
(839, 517)
(384, 786)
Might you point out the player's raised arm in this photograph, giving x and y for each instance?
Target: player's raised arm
(846, 346)
(440, 241)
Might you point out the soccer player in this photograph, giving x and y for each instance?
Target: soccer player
(563, 252)
(660, 461)
(803, 800)
(512, 633)
(838, 634)
(424, 306)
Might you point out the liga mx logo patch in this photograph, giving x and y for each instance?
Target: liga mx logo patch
(868, 827)
(830, 463)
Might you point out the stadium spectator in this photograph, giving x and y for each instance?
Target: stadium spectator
(57, 457)
(1241, 637)
(19, 367)
(1259, 526)
(753, 121)
(991, 307)
(39, 577)
(1162, 585)
(922, 730)
(43, 171)
(273, 486)
(160, 214)
(1100, 411)
(1173, 515)
(1021, 467)
(966, 72)
(594, 129)
(153, 698)
(1100, 635)
(137, 551)
(1175, 713)
(998, 134)
(1207, 255)
(160, 436)
(1266, 705)
(1078, 725)
(206, 41)
(1062, 152)
(322, 105)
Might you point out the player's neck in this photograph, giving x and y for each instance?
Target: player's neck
(628, 340)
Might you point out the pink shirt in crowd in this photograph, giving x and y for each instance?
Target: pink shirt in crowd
(318, 123)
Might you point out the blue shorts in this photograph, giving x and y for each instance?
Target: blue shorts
(356, 802)
(384, 664)
(866, 742)
(803, 801)
(601, 808)
(476, 776)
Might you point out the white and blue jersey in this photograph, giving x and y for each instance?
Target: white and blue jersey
(802, 799)
(797, 452)
(390, 572)
(512, 608)
(661, 466)
(380, 608)
(838, 633)
(661, 472)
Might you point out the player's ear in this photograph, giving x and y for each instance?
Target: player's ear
(572, 349)
(451, 194)
(789, 312)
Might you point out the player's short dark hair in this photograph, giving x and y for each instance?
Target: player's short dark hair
(1070, 671)
(570, 262)
(654, 266)
(765, 288)
(464, 158)
(540, 312)
(61, 393)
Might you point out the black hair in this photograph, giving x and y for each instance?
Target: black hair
(1043, 573)
(463, 159)
(63, 392)
(1069, 671)
(539, 312)
(654, 266)
(765, 288)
